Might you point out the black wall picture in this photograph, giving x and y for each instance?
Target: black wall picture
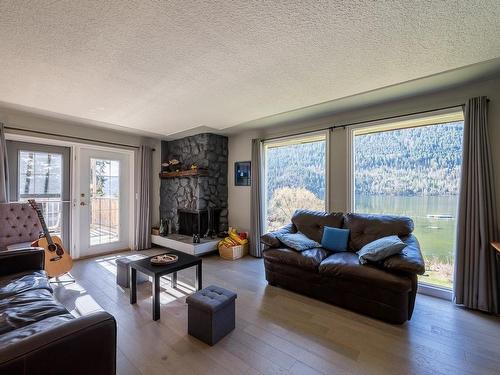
(242, 173)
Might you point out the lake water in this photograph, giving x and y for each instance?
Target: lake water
(435, 233)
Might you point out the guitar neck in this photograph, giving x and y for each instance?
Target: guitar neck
(44, 226)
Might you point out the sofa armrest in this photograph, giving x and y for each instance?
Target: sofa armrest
(270, 239)
(410, 260)
(15, 261)
(85, 345)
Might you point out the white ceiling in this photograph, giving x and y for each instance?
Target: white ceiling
(170, 66)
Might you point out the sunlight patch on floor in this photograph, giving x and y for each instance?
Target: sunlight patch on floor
(86, 305)
(108, 263)
(81, 303)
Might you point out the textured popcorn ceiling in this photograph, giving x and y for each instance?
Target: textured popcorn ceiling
(170, 66)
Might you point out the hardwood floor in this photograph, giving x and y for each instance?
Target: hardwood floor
(280, 332)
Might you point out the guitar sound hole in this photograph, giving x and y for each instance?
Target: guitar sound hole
(52, 247)
(59, 251)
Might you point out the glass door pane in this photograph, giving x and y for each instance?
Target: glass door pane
(40, 178)
(104, 201)
(42, 172)
(414, 172)
(294, 177)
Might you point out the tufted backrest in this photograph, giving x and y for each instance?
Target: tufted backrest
(365, 228)
(18, 223)
(311, 223)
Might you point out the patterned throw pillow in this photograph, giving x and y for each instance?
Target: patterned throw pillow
(297, 241)
(380, 249)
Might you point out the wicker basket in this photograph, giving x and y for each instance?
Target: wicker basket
(233, 252)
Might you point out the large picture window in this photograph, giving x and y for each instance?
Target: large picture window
(294, 177)
(414, 171)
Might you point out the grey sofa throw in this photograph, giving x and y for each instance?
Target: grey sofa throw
(255, 201)
(143, 227)
(4, 168)
(475, 268)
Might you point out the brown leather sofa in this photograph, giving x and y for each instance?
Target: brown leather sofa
(37, 334)
(385, 291)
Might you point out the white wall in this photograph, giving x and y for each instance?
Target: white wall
(240, 144)
(33, 122)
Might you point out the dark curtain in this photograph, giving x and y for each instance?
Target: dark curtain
(4, 168)
(143, 228)
(475, 268)
(256, 201)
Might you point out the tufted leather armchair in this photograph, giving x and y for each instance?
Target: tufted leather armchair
(19, 226)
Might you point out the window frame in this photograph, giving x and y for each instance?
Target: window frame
(290, 140)
(403, 122)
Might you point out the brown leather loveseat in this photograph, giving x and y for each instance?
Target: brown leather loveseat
(385, 291)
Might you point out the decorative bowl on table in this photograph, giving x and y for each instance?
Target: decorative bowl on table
(161, 260)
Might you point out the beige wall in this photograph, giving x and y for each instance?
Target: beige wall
(240, 144)
(33, 122)
(239, 149)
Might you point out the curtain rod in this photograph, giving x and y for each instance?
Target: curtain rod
(73, 137)
(366, 121)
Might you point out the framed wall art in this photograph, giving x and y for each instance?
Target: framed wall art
(242, 173)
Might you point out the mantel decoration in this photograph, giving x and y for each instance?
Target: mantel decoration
(171, 165)
(242, 173)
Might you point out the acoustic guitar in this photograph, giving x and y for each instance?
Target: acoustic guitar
(57, 260)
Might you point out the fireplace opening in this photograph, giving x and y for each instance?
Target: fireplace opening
(201, 222)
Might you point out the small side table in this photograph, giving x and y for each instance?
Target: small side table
(157, 271)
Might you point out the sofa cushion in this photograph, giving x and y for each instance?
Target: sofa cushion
(380, 249)
(311, 223)
(37, 327)
(309, 259)
(25, 308)
(366, 228)
(410, 260)
(271, 239)
(297, 241)
(11, 285)
(19, 245)
(345, 265)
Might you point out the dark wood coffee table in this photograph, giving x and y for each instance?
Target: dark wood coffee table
(156, 272)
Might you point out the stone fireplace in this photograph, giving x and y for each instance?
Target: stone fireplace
(197, 202)
(204, 222)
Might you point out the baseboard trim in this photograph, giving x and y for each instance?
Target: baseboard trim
(102, 254)
(435, 291)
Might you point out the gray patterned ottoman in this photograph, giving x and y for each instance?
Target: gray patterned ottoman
(123, 270)
(211, 313)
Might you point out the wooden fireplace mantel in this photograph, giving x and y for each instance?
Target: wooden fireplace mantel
(186, 173)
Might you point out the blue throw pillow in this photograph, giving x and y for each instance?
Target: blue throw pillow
(335, 239)
(380, 249)
(297, 241)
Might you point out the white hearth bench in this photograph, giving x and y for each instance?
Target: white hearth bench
(185, 243)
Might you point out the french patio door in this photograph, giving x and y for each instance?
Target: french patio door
(103, 201)
(42, 172)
